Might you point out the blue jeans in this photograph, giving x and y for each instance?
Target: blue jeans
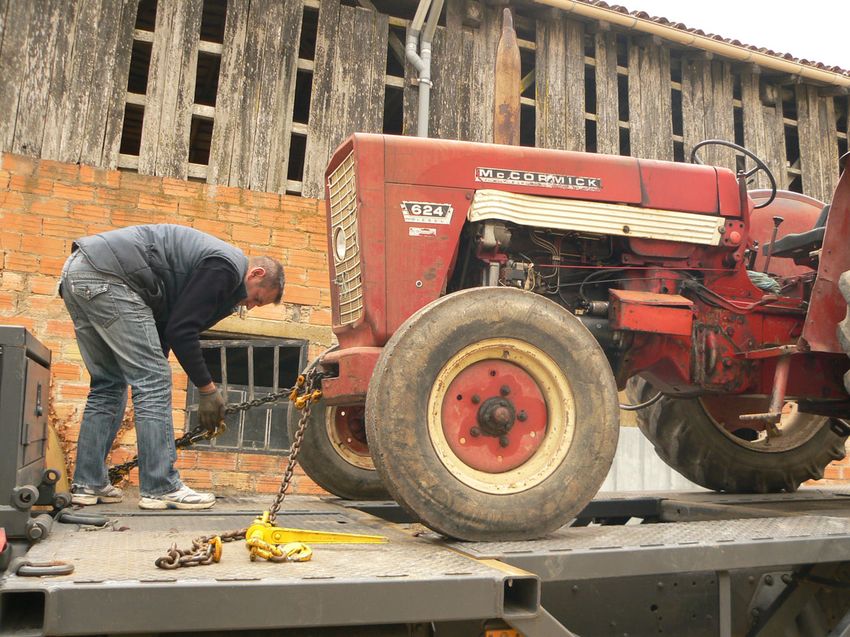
(119, 343)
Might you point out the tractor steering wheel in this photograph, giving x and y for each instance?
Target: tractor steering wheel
(760, 165)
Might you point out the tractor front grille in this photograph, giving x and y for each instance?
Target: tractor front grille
(342, 193)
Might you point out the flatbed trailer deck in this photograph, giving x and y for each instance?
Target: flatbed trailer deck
(684, 564)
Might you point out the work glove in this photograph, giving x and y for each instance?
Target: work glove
(211, 409)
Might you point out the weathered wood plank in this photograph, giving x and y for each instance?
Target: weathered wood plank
(4, 9)
(607, 94)
(32, 105)
(764, 133)
(348, 84)
(80, 76)
(720, 115)
(229, 89)
(559, 82)
(270, 156)
(93, 129)
(60, 82)
(707, 110)
(249, 90)
(482, 83)
(118, 85)
(816, 127)
(650, 120)
(12, 67)
(318, 139)
(171, 89)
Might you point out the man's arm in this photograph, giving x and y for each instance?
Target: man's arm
(210, 287)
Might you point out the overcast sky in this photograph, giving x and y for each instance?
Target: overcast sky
(815, 30)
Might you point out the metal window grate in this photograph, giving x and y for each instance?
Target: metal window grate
(342, 192)
(246, 369)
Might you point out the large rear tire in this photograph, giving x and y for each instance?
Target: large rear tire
(335, 453)
(716, 454)
(492, 414)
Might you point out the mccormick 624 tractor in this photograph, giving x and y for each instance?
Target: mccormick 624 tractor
(489, 301)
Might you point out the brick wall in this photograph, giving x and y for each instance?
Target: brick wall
(45, 205)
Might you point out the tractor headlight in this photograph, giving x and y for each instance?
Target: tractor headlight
(339, 244)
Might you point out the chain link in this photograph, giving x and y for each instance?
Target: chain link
(207, 549)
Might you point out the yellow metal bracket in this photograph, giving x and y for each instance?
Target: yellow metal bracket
(264, 541)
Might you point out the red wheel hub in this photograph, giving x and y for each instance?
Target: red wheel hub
(350, 427)
(494, 416)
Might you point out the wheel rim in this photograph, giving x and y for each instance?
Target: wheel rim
(520, 403)
(796, 428)
(346, 429)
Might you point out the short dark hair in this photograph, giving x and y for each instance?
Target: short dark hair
(273, 278)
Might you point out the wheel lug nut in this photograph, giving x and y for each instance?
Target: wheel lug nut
(522, 416)
(505, 390)
(475, 432)
(476, 399)
(503, 441)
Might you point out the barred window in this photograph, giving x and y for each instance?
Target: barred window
(246, 369)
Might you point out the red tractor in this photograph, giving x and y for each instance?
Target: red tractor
(489, 301)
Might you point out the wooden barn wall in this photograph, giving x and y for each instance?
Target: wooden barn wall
(64, 69)
(63, 76)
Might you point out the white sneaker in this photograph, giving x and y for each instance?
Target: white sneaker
(87, 495)
(183, 498)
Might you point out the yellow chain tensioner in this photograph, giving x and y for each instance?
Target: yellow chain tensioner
(280, 544)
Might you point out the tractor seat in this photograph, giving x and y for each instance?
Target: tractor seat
(799, 246)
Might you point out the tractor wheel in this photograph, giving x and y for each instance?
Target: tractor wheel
(335, 454)
(844, 326)
(703, 440)
(492, 414)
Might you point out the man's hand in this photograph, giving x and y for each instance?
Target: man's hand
(211, 409)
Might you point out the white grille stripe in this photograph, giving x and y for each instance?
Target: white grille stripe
(596, 217)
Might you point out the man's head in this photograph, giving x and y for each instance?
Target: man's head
(264, 282)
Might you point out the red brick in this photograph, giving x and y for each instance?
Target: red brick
(256, 199)
(10, 240)
(74, 390)
(90, 213)
(63, 370)
(236, 215)
(217, 461)
(301, 295)
(73, 192)
(21, 222)
(293, 240)
(197, 478)
(59, 171)
(251, 234)
(65, 228)
(43, 284)
(99, 177)
(49, 246)
(224, 194)
(21, 262)
(141, 183)
(259, 463)
(13, 201)
(116, 197)
(19, 164)
(50, 207)
(32, 184)
(8, 301)
(218, 229)
(61, 328)
(231, 480)
(309, 260)
(124, 217)
(181, 188)
(320, 317)
(52, 265)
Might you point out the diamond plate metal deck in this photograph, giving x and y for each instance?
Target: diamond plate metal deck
(409, 579)
(656, 549)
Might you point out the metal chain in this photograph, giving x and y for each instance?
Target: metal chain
(207, 549)
(118, 472)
